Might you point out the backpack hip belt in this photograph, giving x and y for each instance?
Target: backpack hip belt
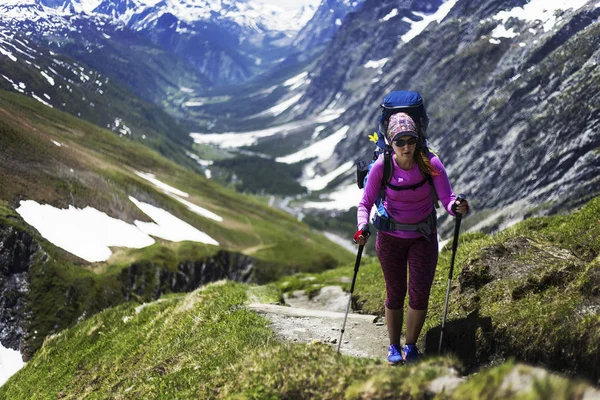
(425, 227)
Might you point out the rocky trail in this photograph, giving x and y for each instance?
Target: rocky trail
(305, 320)
(320, 318)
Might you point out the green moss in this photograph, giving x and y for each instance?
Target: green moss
(145, 356)
(293, 371)
(265, 294)
(519, 382)
(484, 386)
(404, 383)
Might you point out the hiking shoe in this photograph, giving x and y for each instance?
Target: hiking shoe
(394, 354)
(411, 353)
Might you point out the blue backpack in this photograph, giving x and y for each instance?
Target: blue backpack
(411, 103)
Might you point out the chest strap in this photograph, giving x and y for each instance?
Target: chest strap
(410, 187)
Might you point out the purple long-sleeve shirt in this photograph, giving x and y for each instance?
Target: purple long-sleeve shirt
(406, 206)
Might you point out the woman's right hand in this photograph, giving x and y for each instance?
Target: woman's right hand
(362, 235)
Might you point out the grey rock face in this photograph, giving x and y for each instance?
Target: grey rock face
(322, 27)
(144, 279)
(16, 252)
(514, 119)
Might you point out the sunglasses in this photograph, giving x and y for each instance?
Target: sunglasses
(402, 142)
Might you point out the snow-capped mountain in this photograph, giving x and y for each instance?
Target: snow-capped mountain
(163, 50)
(251, 14)
(227, 41)
(325, 23)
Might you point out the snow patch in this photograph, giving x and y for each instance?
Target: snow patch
(8, 54)
(239, 139)
(376, 64)
(540, 10)
(204, 163)
(10, 363)
(342, 199)
(280, 108)
(163, 186)
(501, 32)
(390, 15)
(417, 27)
(89, 233)
(86, 233)
(322, 150)
(298, 78)
(175, 193)
(169, 227)
(199, 210)
(321, 182)
(193, 104)
(329, 114)
(318, 131)
(38, 98)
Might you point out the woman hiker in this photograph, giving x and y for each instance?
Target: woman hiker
(412, 164)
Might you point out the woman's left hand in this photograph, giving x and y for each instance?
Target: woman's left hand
(461, 207)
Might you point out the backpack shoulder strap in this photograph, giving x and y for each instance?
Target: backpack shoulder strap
(434, 196)
(387, 172)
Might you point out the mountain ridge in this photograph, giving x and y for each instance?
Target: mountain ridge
(248, 36)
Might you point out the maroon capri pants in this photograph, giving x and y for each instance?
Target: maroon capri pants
(421, 255)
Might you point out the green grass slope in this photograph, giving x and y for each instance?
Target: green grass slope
(96, 97)
(207, 345)
(33, 167)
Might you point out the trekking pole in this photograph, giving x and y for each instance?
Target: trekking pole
(356, 265)
(454, 247)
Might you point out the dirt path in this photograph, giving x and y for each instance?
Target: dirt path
(305, 320)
